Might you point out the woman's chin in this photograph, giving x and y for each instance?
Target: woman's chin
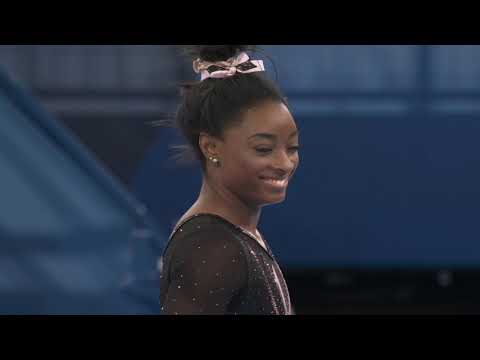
(274, 200)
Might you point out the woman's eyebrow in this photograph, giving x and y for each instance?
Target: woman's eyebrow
(264, 136)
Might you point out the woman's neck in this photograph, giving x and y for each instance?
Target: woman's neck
(219, 201)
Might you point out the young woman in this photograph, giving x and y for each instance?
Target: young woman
(239, 126)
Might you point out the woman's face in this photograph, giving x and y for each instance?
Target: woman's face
(260, 155)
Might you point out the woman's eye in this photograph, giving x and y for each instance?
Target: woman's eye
(294, 148)
(263, 150)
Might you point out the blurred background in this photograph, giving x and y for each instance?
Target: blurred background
(381, 217)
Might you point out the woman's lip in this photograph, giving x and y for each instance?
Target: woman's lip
(274, 178)
(276, 183)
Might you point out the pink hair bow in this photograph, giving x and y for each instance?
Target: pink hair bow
(223, 69)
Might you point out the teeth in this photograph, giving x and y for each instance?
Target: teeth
(276, 182)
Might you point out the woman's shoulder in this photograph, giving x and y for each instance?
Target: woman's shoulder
(205, 236)
(209, 229)
(202, 221)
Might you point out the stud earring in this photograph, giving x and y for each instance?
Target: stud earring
(215, 161)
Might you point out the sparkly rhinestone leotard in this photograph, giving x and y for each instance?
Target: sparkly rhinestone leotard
(212, 266)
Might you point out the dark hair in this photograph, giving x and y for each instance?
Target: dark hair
(213, 105)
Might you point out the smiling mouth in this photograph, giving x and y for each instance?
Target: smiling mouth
(276, 182)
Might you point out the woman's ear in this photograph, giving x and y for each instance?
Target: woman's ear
(209, 146)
